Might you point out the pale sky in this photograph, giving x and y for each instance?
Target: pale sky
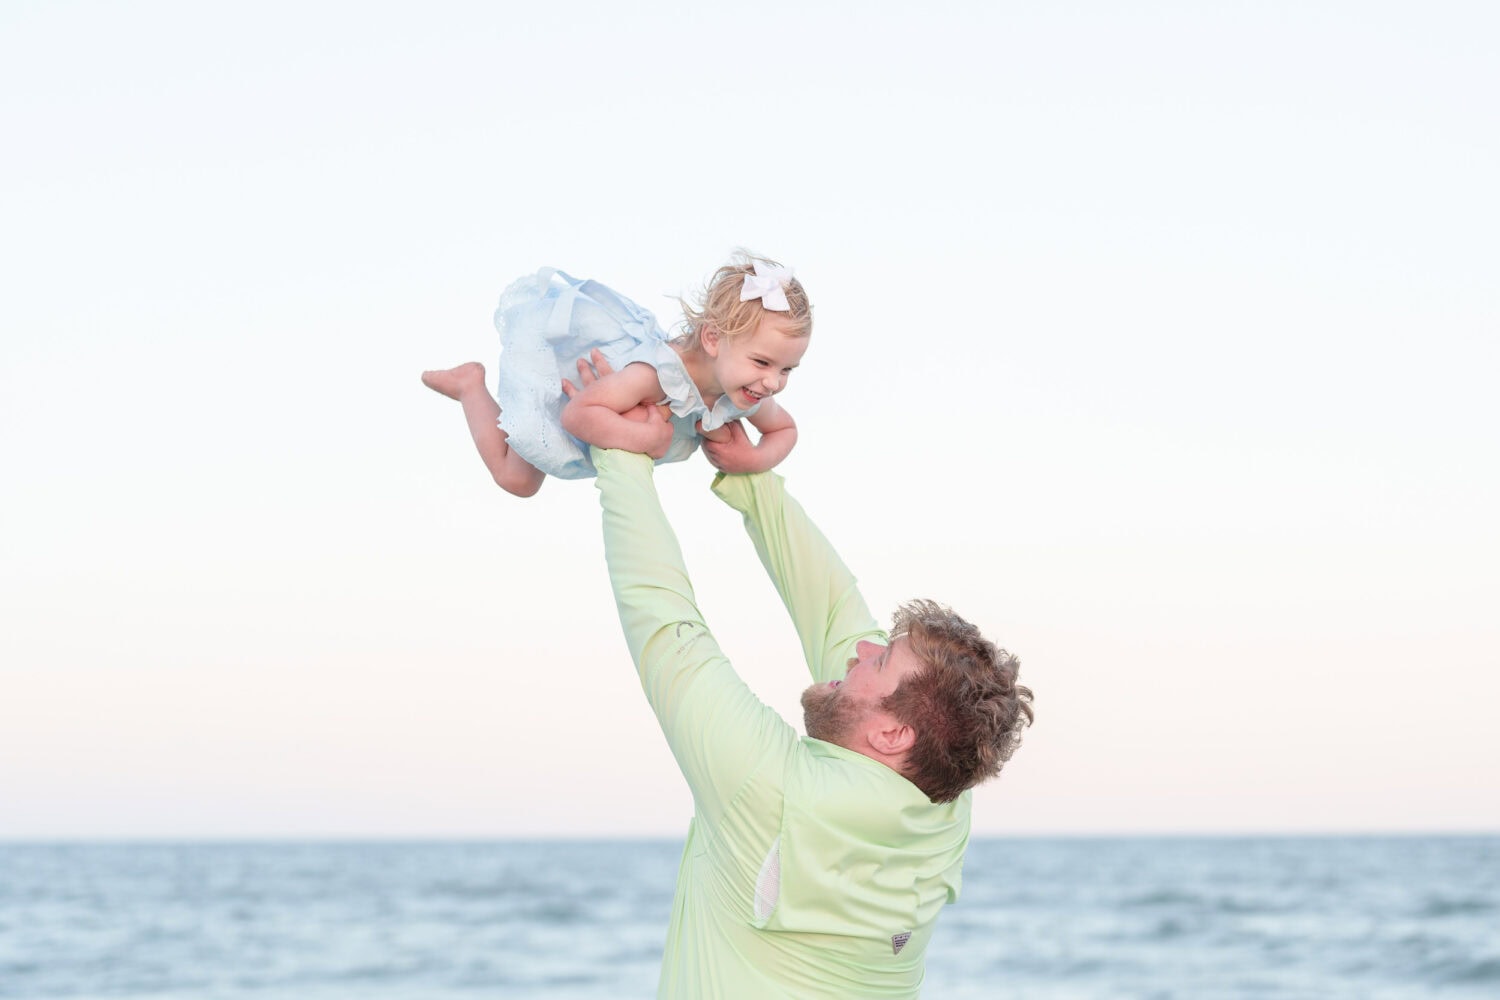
(1158, 339)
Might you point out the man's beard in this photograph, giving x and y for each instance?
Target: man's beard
(827, 715)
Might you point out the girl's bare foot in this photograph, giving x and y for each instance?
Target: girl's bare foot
(455, 382)
(465, 383)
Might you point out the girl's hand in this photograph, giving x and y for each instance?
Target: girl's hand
(734, 453)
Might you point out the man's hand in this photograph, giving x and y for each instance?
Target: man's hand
(733, 452)
(590, 370)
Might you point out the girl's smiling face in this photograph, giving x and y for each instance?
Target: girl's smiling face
(750, 368)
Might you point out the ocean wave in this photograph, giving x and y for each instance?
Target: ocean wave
(501, 889)
(1163, 897)
(1455, 907)
(1478, 972)
(554, 911)
(1169, 929)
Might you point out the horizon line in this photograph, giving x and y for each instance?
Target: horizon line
(583, 838)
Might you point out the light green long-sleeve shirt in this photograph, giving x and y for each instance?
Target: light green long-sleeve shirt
(810, 870)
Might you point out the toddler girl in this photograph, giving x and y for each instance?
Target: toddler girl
(739, 347)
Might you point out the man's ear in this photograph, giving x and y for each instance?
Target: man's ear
(893, 739)
(708, 337)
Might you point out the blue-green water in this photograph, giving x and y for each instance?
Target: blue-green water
(1048, 918)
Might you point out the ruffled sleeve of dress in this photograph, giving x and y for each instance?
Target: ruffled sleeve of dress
(683, 396)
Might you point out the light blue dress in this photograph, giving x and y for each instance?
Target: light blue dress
(547, 321)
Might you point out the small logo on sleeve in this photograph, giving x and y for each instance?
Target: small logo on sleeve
(898, 941)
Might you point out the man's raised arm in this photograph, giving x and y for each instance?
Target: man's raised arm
(717, 729)
(818, 590)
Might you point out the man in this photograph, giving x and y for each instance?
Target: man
(814, 867)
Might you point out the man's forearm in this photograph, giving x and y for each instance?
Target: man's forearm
(719, 732)
(646, 568)
(819, 592)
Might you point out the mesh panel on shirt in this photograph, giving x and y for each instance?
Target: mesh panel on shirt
(768, 883)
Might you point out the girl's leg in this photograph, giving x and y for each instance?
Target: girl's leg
(511, 472)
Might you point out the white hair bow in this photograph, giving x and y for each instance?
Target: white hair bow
(768, 285)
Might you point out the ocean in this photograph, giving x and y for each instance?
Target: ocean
(1053, 918)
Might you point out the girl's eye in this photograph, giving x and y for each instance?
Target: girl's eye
(760, 363)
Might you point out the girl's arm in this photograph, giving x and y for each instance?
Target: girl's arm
(778, 434)
(730, 450)
(596, 413)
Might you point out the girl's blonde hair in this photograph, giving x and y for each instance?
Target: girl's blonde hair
(722, 309)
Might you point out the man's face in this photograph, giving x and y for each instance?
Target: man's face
(832, 712)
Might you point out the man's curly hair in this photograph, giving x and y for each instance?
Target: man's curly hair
(963, 702)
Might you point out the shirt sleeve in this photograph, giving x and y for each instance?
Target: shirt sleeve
(818, 590)
(718, 731)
